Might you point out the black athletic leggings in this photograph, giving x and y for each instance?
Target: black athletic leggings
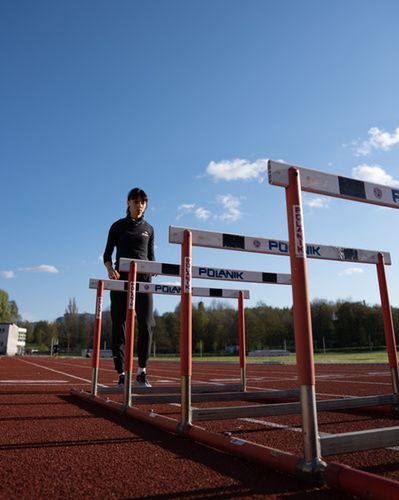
(145, 323)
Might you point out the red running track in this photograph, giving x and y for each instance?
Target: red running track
(53, 445)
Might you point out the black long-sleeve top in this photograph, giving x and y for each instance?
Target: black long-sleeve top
(133, 239)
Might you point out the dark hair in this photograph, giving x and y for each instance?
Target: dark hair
(136, 194)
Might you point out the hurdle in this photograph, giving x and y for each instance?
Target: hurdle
(225, 392)
(212, 273)
(227, 241)
(162, 289)
(295, 180)
(237, 242)
(279, 247)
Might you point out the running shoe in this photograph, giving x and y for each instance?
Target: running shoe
(121, 380)
(142, 381)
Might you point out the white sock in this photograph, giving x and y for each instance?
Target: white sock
(140, 370)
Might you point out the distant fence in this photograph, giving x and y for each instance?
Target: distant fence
(104, 353)
(269, 352)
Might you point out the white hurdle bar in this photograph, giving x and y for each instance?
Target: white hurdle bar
(169, 289)
(255, 244)
(205, 272)
(337, 186)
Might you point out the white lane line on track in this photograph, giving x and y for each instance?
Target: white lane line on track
(88, 367)
(19, 381)
(278, 426)
(60, 373)
(358, 382)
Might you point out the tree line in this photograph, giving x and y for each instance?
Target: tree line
(336, 325)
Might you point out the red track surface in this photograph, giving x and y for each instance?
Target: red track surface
(56, 446)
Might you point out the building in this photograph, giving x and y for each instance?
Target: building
(12, 339)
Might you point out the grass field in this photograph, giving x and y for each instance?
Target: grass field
(329, 357)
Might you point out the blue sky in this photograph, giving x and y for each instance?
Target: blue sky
(187, 99)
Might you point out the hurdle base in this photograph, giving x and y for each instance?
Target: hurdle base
(161, 389)
(312, 471)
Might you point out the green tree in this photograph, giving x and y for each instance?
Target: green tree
(200, 326)
(253, 329)
(70, 330)
(14, 313)
(351, 324)
(43, 333)
(5, 309)
(85, 332)
(322, 322)
(222, 328)
(172, 327)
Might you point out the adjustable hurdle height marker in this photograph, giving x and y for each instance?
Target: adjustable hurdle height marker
(129, 335)
(303, 325)
(241, 341)
(186, 329)
(97, 337)
(388, 323)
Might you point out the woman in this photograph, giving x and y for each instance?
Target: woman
(133, 238)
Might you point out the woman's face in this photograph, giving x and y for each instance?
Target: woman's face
(136, 207)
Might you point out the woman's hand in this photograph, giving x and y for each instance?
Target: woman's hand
(113, 274)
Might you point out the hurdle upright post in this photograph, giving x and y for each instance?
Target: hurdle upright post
(97, 337)
(242, 341)
(302, 325)
(388, 323)
(129, 335)
(186, 329)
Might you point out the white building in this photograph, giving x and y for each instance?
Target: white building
(12, 339)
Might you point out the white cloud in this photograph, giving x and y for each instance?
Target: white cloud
(320, 202)
(237, 169)
(374, 174)
(231, 205)
(230, 209)
(7, 274)
(186, 206)
(43, 268)
(184, 209)
(350, 271)
(202, 213)
(379, 140)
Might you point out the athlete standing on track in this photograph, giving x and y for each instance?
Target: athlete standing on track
(133, 238)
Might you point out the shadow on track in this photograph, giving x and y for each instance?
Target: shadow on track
(253, 479)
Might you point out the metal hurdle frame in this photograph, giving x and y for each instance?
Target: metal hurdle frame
(296, 179)
(132, 287)
(312, 456)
